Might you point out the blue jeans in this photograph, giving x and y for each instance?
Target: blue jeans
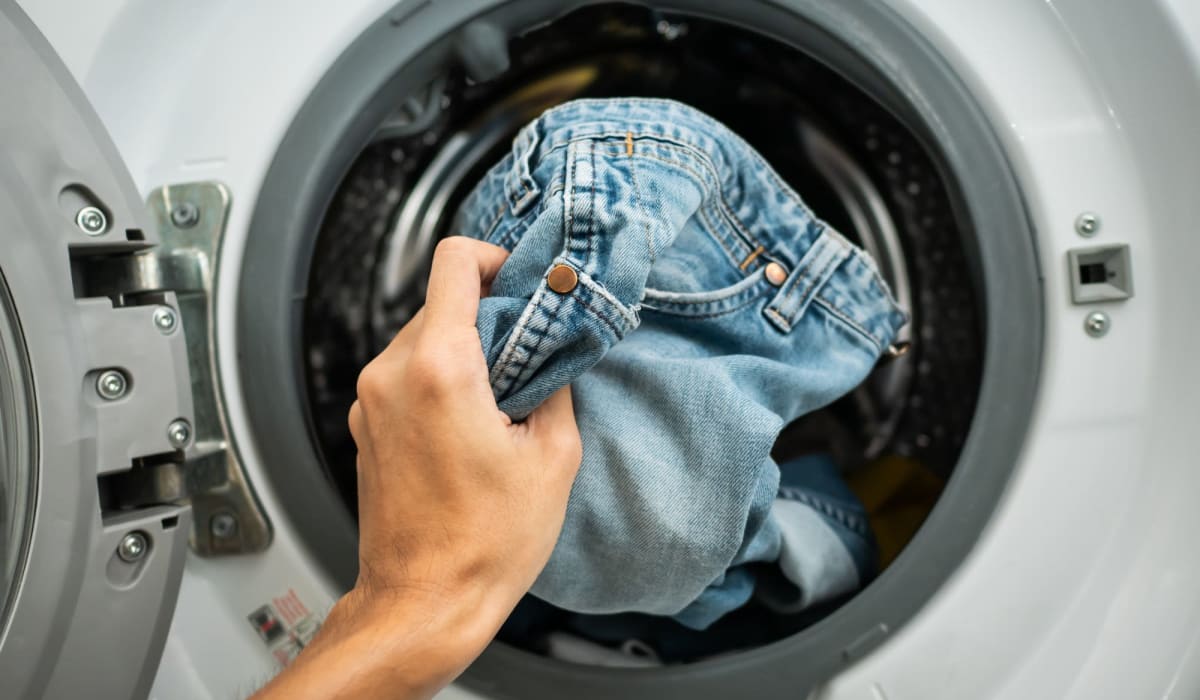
(696, 306)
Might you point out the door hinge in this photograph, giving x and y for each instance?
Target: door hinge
(190, 218)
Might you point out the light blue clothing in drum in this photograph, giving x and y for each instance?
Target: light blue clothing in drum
(662, 268)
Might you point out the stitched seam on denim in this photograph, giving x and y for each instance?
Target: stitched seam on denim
(637, 197)
(750, 241)
(784, 295)
(598, 313)
(699, 156)
(775, 314)
(851, 323)
(665, 140)
(509, 237)
(516, 370)
(495, 222)
(686, 307)
(601, 291)
(877, 286)
(532, 351)
(703, 297)
(569, 196)
(500, 371)
(521, 169)
(717, 203)
(696, 152)
(803, 298)
(849, 520)
(591, 215)
(684, 313)
(716, 234)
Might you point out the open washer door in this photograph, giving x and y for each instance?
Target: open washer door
(94, 396)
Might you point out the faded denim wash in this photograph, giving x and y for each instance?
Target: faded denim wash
(685, 359)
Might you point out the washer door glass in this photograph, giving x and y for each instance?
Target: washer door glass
(16, 451)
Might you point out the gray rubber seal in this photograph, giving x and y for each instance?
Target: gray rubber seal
(868, 44)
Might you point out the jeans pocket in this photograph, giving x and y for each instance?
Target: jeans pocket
(712, 302)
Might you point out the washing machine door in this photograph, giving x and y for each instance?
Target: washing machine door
(95, 399)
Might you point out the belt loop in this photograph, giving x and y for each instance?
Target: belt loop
(519, 185)
(812, 272)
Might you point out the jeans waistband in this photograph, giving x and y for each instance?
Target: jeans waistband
(763, 218)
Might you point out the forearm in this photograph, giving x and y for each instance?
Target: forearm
(404, 645)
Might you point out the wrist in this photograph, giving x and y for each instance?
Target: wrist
(438, 631)
(400, 643)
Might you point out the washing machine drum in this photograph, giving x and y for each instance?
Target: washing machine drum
(873, 129)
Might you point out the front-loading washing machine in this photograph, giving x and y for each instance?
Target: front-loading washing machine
(205, 243)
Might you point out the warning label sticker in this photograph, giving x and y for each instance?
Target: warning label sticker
(285, 625)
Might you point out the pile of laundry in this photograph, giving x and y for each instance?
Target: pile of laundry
(696, 306)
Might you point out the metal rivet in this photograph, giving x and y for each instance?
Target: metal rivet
(776, 274)
(92, 221)
(1097, 324)
(165, 319)
(179, 433)
(223, 525)
(898, 348)
(133, 546)
(185, 215)
(111, 385)
(1087, 225)
(562, 279)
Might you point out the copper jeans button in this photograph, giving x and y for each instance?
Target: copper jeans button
(562, 279)
(776, 273)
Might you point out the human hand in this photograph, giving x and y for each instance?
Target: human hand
(459, 508)
(452, 494)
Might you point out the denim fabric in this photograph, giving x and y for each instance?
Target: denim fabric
(684, 357)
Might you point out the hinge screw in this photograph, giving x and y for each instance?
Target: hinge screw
(92, 221)
(133, 547)
(165, 319)
(111, 385)
(223, 525)
(185, 215)
(179, 433)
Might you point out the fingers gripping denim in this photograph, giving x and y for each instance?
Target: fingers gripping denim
(686, 357)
